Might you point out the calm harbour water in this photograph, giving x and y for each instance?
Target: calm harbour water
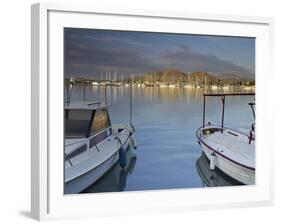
(166, 120)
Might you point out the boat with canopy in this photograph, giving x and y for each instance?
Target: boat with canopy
(92, 144)
(229, 150)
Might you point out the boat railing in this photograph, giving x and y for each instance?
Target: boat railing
(69, 90)
(251, 104)
(95, 144)
(119, 140)
(68, 159)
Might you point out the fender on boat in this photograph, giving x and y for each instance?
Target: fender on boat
(212, 161)
(122, 153)
(122, 157)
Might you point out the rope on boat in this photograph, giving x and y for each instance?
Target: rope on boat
(132, 139)
(251, 137)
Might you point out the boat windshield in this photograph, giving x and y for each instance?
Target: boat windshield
(77, 123)
(101, 121)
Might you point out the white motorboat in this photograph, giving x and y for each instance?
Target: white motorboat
(95, 84)
(214, 87)
(163, 85)
(172, 85)
(229, 150)
(226, 87)
(188, 86)
(92, 144)
(140, 85)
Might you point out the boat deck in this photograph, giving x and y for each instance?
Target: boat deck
(233, 145)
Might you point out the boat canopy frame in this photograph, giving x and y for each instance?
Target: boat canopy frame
(223, 96)
(70, 87)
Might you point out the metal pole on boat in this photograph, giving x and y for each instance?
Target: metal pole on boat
(252, 107)
(70, 88)
(67, 92)
(105, 93)
(84, 94)
(131, 101)
(204, 105)
(223, 104)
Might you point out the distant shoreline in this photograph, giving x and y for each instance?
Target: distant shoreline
(244, 85)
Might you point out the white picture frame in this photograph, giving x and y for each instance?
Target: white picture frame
(48, 201)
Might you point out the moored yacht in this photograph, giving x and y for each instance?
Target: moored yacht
(172, 85)
(163, 85)
(92, 144)
(214, 87)
(188, 86)
(95, 84)
(229, 150)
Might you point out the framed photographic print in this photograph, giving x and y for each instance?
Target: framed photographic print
(164, 111)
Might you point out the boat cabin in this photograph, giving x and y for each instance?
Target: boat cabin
(87, 120)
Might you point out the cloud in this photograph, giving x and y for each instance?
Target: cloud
(183, 47)
(189, 60)
(89, 53)
(93, 60)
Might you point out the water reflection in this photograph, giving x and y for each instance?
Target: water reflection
(150, 93)
(212, 178)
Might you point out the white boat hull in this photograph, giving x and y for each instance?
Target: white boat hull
(83, 173)
(87, 179)
(242, 174)
(213, 178)
(229, 151)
